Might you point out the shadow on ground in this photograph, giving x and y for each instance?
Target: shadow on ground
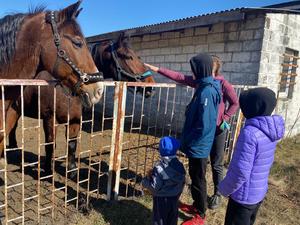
(122, 212)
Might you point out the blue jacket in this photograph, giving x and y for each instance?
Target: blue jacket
(201, 118)
(167, 179)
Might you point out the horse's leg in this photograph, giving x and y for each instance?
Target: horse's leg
(49, 137)
(12, 116)
(12, 137)
(72, 145)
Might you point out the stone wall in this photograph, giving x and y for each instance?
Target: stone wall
(237, 43)
(251, 50)
(281, 32)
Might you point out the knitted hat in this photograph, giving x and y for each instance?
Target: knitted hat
(257, 102)
(202, 65)
(168, 146)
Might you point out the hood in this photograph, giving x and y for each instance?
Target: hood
(272, 126)
(202, 65)
(257, 102)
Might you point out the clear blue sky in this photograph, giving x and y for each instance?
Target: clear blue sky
(101, 16)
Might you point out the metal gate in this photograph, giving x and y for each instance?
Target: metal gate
(117, 144)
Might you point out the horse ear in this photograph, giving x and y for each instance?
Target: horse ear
(70, 12)
(120, 39)
(78, 12)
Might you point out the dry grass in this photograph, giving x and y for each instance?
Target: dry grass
(280, 207)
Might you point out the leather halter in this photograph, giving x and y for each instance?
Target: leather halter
(82, 78)
(121, 71)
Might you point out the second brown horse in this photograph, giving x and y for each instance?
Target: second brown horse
(115, 59)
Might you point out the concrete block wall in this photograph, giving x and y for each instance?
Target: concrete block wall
(237, 43)
(281, 31)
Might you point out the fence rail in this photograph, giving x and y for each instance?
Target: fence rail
(117, 143)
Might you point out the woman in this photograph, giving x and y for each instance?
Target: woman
(230, 98)
(199, 128)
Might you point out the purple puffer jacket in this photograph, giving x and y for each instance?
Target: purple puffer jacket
(246, 181)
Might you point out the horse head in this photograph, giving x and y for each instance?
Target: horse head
(64, 54)
(120, 62)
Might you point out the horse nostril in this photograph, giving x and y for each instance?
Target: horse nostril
(99, 92)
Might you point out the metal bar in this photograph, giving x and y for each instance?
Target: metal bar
(90, 155)
(46, 208)
(31, 197)
(31, 164)
(25, 82)
(14, 219)
(102, 129)
(78, 162)
(139, 139)
(142, 84)
(5, 155)
(53, 154)
(67, 155)
(117, 136)
(14, 185)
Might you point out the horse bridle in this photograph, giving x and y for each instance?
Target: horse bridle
(83, 78)
(121, 71)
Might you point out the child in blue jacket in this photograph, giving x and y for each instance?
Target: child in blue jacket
(166, 182)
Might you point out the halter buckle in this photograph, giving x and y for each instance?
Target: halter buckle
(61, 53)
(85, 78)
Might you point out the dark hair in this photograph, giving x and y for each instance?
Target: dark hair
(217, 65)
(9, 26)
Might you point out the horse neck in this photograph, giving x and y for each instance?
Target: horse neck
(25, 62)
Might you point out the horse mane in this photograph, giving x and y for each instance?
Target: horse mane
(9, 27)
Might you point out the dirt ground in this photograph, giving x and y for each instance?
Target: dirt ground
(281, 205)
(60, 196)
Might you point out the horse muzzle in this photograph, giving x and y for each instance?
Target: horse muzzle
(91, 93)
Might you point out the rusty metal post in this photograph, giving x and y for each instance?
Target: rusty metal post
(117, 137)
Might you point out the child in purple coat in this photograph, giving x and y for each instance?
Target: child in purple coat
(246, 182)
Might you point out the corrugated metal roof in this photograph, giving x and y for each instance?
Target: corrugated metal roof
(199, 20)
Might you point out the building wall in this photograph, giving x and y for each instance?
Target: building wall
(238, 44)
(251, 50)
(281, 31)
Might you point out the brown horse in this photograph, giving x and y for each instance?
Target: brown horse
(115, 59)
(50, 41)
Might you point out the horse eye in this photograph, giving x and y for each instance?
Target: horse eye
(77, 43)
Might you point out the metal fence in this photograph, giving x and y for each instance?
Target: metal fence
(117, 145)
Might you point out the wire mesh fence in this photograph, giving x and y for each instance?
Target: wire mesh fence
(117, 142)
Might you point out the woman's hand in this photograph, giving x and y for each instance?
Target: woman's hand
(151, 67)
